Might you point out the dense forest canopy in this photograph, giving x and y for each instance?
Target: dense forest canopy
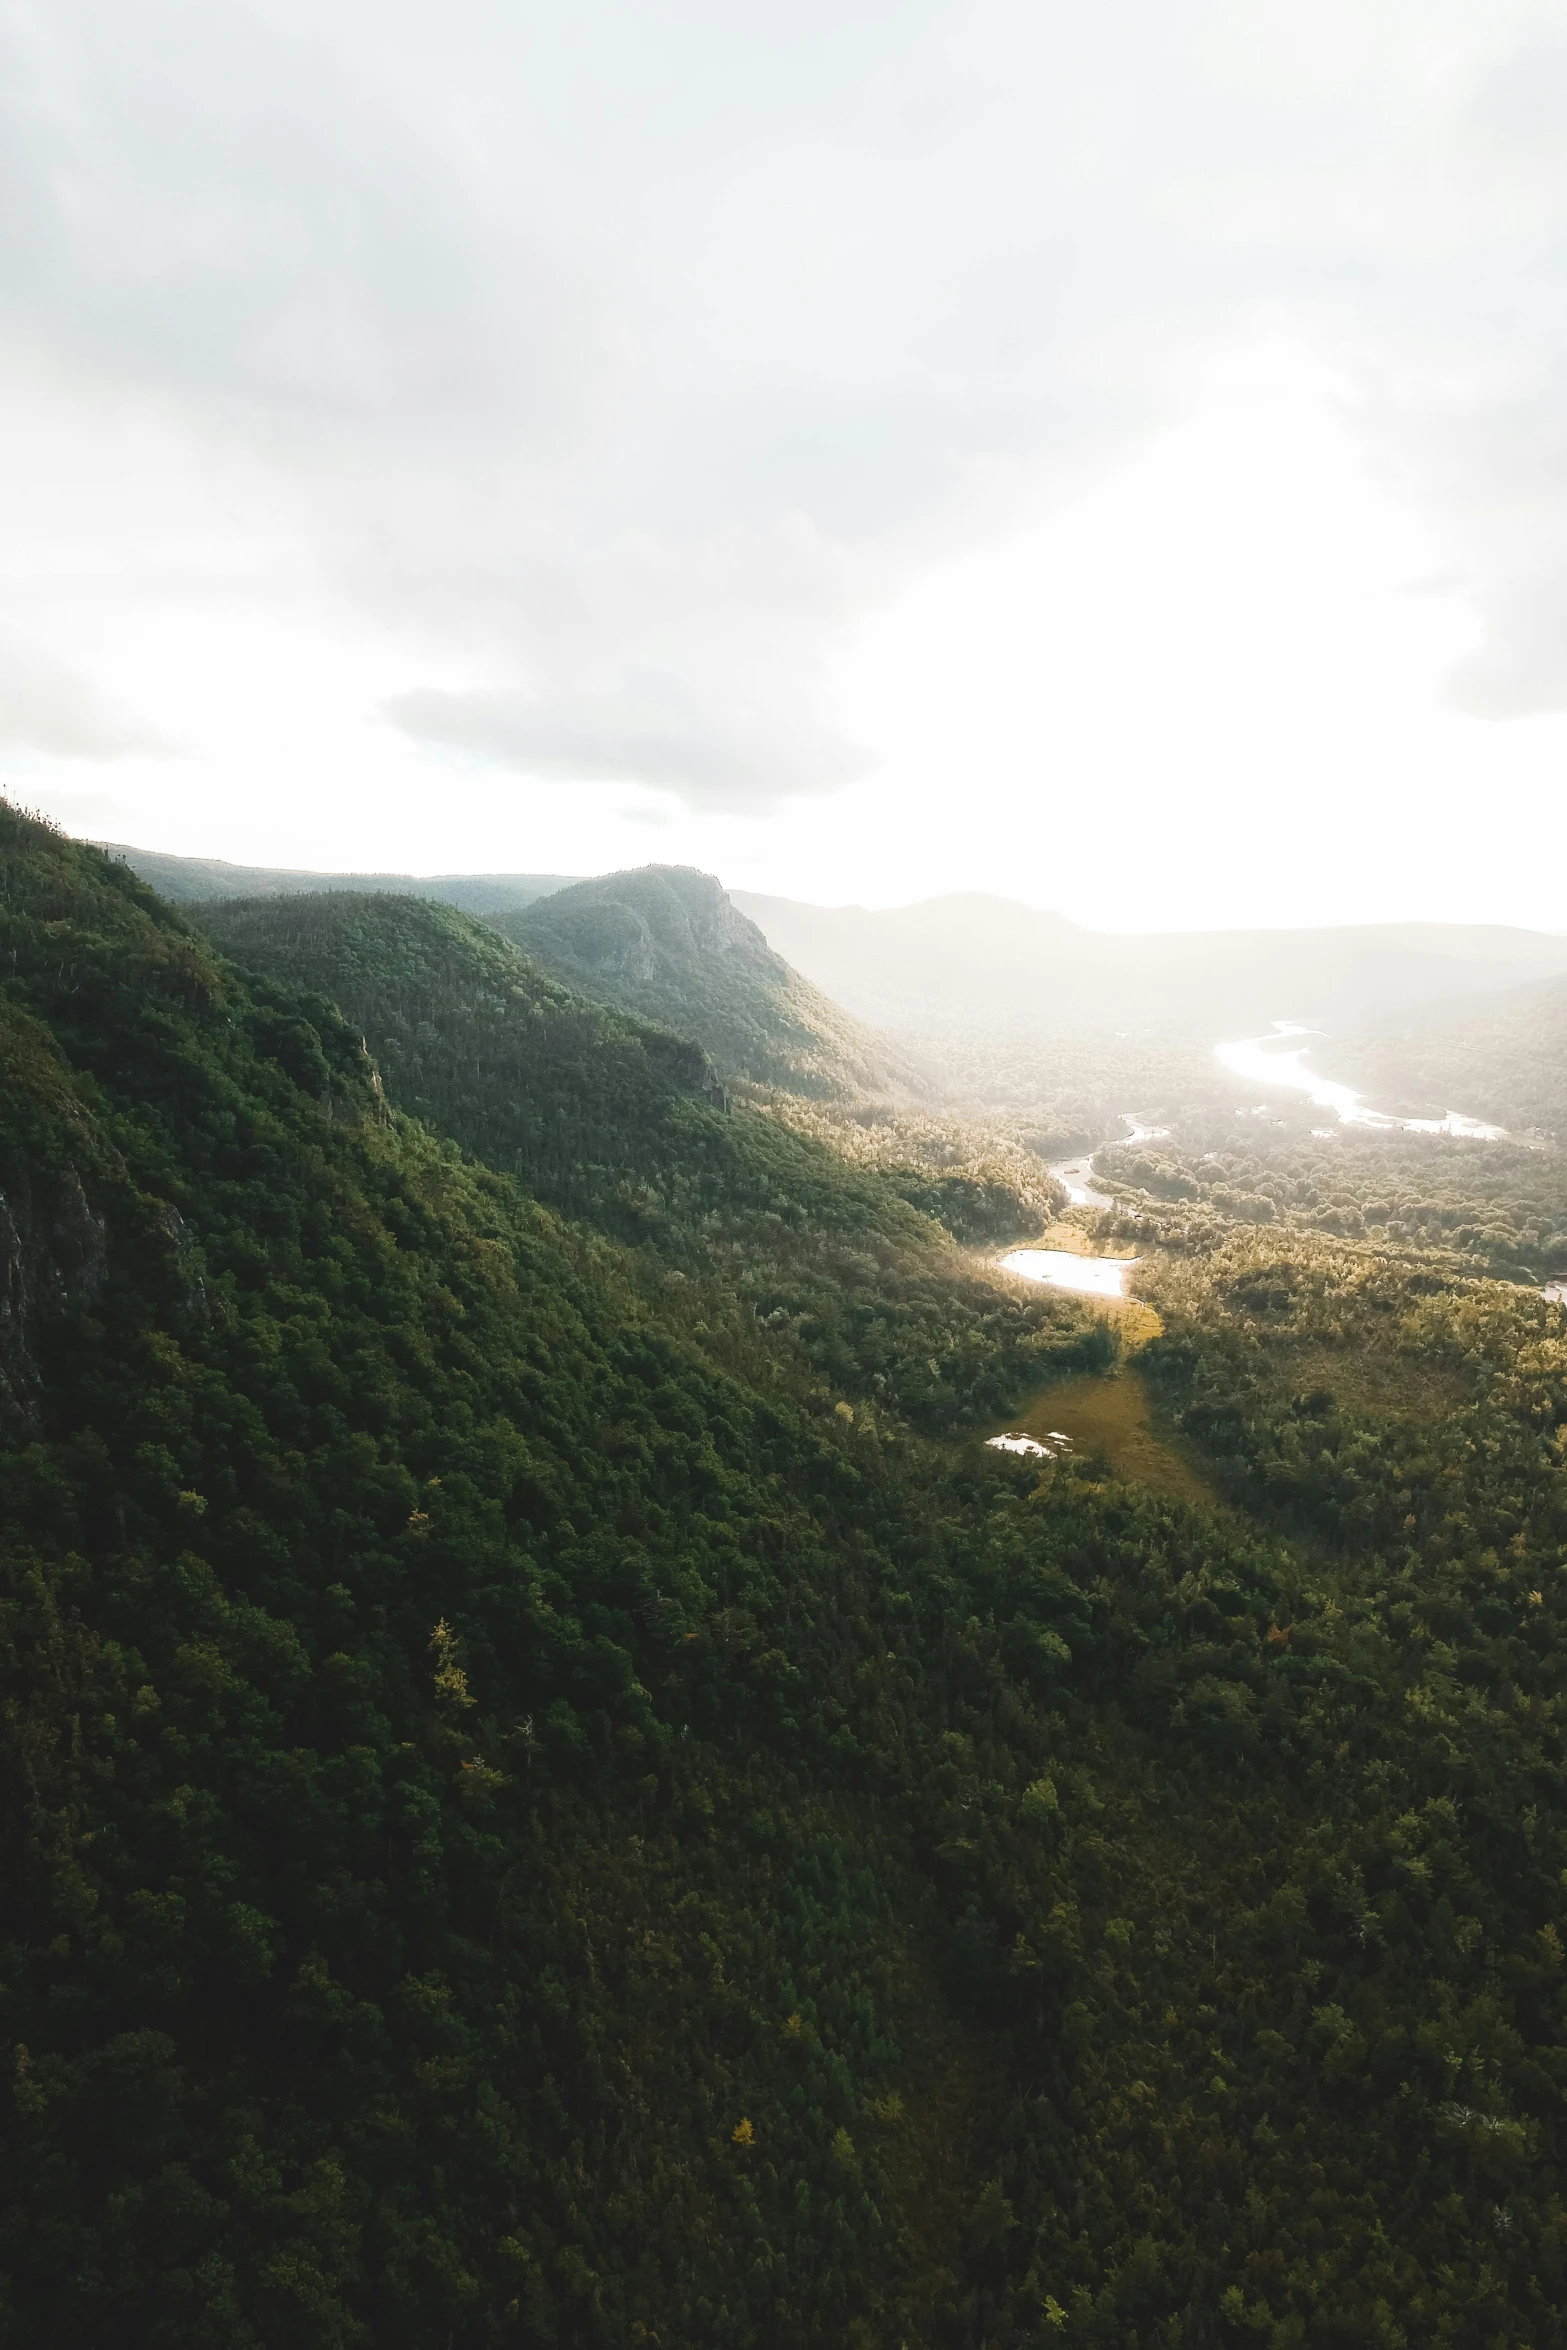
(542, 1805)
(1493, 1206)
(627, 1126)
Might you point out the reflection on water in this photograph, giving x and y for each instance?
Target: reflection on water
(1062, 1269)
(1265, 1060)
(1074, 1174)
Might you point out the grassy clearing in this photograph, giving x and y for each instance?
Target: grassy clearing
(1111, 1416)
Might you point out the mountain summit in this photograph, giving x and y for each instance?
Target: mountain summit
(667, 943)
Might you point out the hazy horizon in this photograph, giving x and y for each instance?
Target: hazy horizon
(739, 892)
(868, 453)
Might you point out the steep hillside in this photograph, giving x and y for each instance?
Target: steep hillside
(612, 1120)
(665, 941)
(195, 880)
(584, 1103)
(988, 964)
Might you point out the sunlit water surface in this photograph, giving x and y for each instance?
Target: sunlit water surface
(1268, 1061)
(1061, 1268)
(1076, 1175)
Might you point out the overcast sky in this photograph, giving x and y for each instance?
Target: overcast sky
(1112, 455)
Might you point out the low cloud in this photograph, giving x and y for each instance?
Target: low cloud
(614, 344)
(1521, 668)
(46, 706)
(645, 731)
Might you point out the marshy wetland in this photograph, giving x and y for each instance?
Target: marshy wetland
(1101, 1415)
(1108, 1415)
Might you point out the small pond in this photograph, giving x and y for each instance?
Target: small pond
(1063, 1268)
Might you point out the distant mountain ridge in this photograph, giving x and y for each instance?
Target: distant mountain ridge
(946, 966)
(196, 880)
(987, 963)
(667, 943)
(664, 943)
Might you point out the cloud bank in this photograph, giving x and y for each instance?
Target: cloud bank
(642, 731)
(47, 706)
(614, 364)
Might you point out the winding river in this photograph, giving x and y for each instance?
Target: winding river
(1272, 1061)
(1074, 1175)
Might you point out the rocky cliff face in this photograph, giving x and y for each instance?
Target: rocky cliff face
(54, 1260)
(639, 926)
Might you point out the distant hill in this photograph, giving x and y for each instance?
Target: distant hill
(1503, 1060)
(193, 880)
(987, 963)
(666, 942)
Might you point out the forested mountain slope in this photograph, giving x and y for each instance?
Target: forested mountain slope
(613, 1120)
(584, 1103)
(523, 1823)
(665, 941)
